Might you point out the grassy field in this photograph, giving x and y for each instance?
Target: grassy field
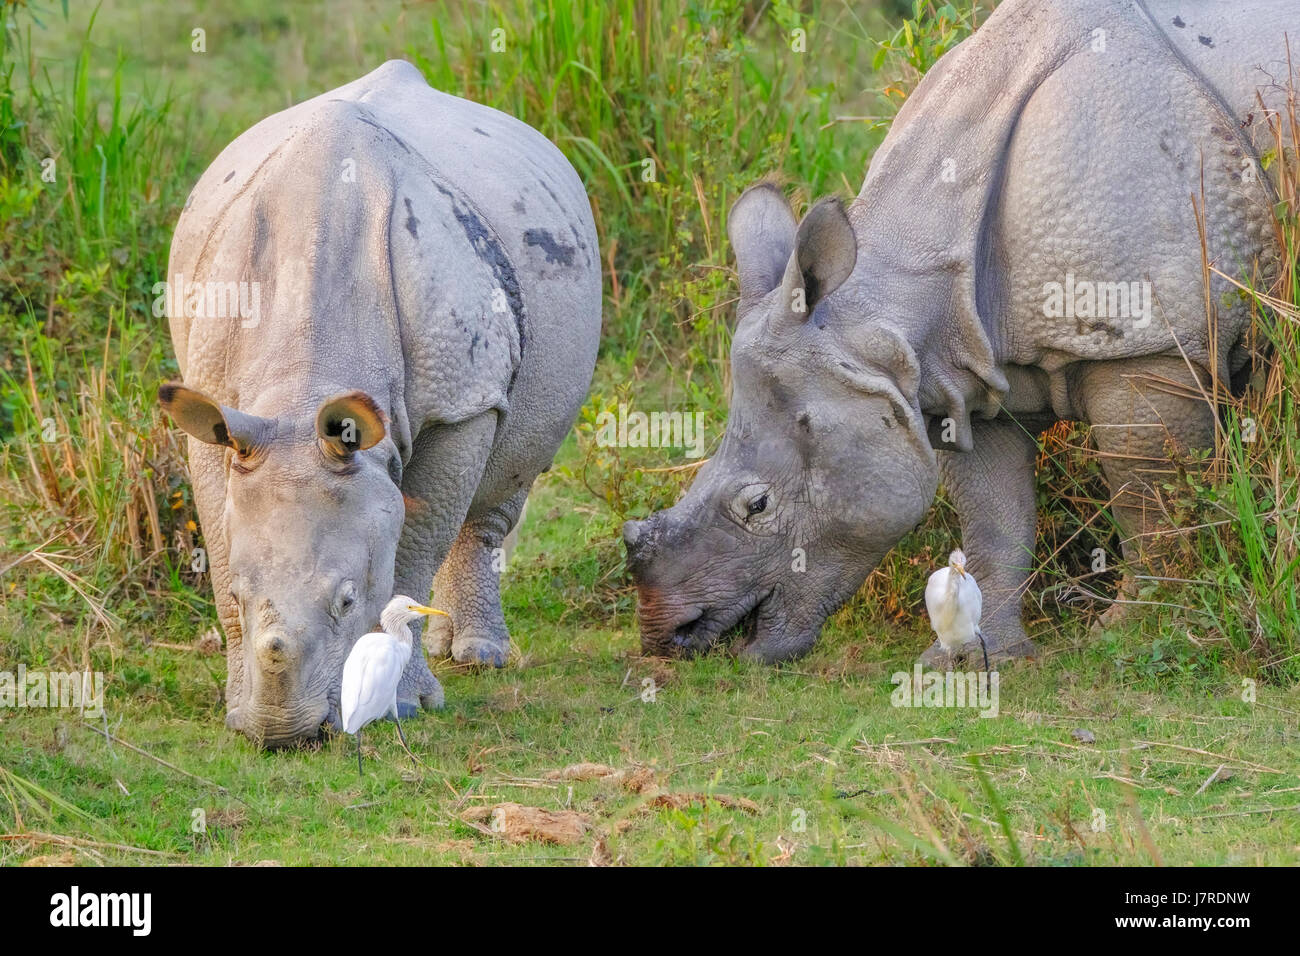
(1171, 737)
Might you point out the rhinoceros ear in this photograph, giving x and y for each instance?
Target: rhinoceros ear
(825, 252)
(350, 422)
(761, 229)
(203, 418)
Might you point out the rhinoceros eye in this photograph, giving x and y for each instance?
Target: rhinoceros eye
(748, 502)
(344, 599)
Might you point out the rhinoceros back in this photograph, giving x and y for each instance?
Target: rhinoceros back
(1132, 145)
(1065, 146)
(400, 231)
(1238, 49)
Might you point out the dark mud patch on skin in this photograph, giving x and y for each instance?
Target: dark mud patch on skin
(1087, 327)
(412, 224)
(493, 255)
(383, 129)
(557, 253)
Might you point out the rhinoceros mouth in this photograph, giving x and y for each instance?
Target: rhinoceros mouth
(713, 626)
(282, 728)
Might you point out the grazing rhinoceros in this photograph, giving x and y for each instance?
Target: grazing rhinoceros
(422, 306)
(1025, 249)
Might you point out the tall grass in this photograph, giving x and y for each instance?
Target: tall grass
(668, 111)
(1249, 544)
(91, 178)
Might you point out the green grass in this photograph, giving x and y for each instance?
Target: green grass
(98, 521)
(796, 742)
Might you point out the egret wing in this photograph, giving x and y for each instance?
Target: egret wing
(936, 604)
(370, 678)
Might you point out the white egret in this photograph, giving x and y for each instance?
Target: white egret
(374, 667)
(954, 603)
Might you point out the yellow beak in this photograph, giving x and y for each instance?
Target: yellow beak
(426, 610)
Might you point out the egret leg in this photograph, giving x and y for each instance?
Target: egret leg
(360, 773)
(984, 648)
(402, 737)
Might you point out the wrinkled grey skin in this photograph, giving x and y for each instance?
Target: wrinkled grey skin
(1028, 152)
(429, 317)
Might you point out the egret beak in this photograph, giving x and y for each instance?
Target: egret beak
(426, 610)
(960, 569)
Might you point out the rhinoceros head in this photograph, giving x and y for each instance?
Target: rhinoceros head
(825, 463)
(312, 516)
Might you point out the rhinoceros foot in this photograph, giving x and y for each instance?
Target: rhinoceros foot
(418, 689)
(469, 641)
(438, 636)
(475, 645)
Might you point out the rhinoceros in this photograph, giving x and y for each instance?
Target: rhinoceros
(1026, 249)
(417, 310)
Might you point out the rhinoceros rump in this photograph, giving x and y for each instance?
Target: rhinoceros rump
(428, 316)
(1025, 249)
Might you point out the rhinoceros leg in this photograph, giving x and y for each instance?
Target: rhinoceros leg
(992, 488)
(468, 586)
(446, 464)
(1140, 428)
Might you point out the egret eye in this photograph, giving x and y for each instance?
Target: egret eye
(758, 505)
